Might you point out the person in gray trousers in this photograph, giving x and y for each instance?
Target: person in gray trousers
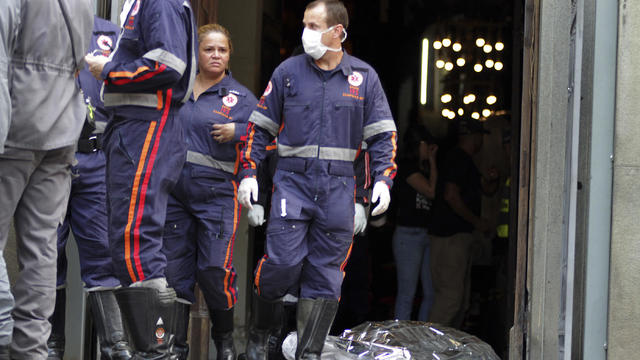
(9, 22)
(45, 42)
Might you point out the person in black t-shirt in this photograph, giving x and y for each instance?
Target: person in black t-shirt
(456, 215)
(415, 188)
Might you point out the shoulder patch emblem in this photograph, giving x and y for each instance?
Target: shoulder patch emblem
(267, 91)
(136, 8)
(230, 100)
(355, 79)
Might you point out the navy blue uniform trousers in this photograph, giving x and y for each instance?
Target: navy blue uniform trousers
(310, 229)
(144, 159)
(87, 218)
(201, 224)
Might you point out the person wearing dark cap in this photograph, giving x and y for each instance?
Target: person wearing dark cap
(455, 217)
(415, 188)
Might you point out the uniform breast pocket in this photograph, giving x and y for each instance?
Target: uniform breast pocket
(347, 119)
(296, 115)
(130, 42)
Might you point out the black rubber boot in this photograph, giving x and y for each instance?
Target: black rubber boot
(149, 316)
(181, 347)
(266, 318)
(56, 340)
(288, 325)
(222, 333)
(314, 320)
(108, 324)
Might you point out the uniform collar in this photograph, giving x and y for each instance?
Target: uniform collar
(344, 65)
(222, 88)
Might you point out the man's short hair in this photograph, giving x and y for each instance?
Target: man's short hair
(336, 12)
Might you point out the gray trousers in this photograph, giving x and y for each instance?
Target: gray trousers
(34, 190)
(451, 275)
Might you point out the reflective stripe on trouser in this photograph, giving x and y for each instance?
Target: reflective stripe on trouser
(34, 190)
(144, 159)
(309, 234)
(202, 218)
(87, 218)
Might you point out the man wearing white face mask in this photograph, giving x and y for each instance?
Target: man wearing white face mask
(321, 105)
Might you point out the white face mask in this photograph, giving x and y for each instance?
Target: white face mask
(312, 42)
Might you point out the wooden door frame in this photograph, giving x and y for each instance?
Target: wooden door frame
(205, 11)
(526, 171)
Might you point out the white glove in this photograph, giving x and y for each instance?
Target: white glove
(248, 190)
(256, 215)
(359, 220)
(380, 191)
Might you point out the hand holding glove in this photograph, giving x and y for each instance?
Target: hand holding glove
(96, 64)
(381, 196)
(248, 190)
(359, 220)
(256, 215)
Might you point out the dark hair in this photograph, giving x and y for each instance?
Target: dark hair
(336, 12)
(413, 136)
(205, 30)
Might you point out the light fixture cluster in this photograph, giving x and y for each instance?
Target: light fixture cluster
(484, 55)
(478, 109)
(468, 59)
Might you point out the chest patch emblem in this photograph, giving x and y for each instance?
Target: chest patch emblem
(355, 79)
(105, 42)
(230, 100)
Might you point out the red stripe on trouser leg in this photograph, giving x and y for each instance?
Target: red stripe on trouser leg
(145, 184)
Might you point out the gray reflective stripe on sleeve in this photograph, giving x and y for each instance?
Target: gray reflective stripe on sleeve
(167, 58)
(117, 99)
(264, 122)
(378, 127)
(206, 160)
(310, 151)
(333, 153)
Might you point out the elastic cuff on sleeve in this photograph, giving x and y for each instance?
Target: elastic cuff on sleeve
(106, 70)
(386, 179)
(245, 173)
(239, 132)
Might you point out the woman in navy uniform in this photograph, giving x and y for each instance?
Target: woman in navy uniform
(203, 211)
